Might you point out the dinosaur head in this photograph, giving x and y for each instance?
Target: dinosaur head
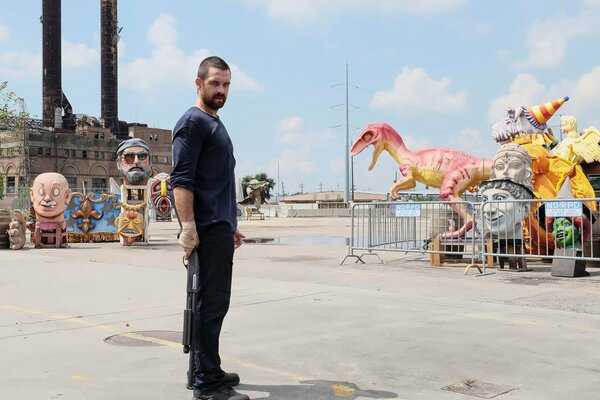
(373, 134)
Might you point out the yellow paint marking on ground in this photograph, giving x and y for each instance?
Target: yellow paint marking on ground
(133, 335)
(138, 336)
(81, 378)
(342, 390)
(268, 370)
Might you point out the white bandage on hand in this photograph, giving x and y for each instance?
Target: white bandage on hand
(188, 237)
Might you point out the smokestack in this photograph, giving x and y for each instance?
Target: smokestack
(51, 63)
(109, 37)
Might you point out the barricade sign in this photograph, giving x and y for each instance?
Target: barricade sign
(564, 209)
(408, 210)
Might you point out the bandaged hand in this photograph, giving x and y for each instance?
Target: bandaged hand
(188, 239)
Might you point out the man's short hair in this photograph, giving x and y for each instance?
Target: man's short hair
(212, 61)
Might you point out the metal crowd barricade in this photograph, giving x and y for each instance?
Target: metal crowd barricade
(505, 238)
(409, 227)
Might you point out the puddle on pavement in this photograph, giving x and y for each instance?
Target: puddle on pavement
(316, 240)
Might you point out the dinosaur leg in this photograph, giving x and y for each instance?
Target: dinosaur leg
(405, 184)
(454, 184)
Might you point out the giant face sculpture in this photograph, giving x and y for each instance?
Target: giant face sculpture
(134, 162)
(50, 196)
(502, 215)
(512, 162)
(566, 234)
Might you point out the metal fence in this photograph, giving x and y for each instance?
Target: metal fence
(503, 231)
(410, 227)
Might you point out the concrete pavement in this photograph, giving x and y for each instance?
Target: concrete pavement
(101, 321)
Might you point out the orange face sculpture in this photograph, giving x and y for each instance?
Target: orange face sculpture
(50, 196)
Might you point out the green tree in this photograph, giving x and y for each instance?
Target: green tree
(261, 177)
(12, 108)
(14, 119)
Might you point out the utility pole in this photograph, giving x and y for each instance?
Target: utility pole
(320, 186)
(301, 187)
(347, 149)
(282, 189)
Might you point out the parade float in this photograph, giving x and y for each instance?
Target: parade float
(530, 165)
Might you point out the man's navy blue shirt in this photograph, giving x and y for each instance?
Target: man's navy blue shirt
(203, 163)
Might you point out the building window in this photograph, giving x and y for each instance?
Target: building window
(97, 154)
(67, 152)
(10, 184)
(166, 160)
(72, 182)
(48, 151)
(40, 151)
(83, 153)
(99, 135)
(98, 183)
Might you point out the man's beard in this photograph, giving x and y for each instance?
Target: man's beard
(212, 103)
(136, 177)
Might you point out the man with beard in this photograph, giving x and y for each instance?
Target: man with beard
(205, 199)
(133, 161)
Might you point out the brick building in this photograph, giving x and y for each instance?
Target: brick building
(84, 156)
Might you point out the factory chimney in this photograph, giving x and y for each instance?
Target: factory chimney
(51, 60)
(109, 37)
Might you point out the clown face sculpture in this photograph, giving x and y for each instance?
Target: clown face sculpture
(50, 196)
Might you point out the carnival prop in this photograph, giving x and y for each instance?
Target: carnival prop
(134, 164)
(161, 195)
(16, 231)
(50, 196)
(452, 171)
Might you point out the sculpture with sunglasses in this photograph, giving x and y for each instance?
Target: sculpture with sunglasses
(133, 158)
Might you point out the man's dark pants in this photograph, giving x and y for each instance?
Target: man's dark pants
(215, 255)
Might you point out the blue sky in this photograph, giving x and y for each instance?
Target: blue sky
(441, 72)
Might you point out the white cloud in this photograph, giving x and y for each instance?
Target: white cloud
(78, 55)
(4, 33)
(291, 124)
(306, 11)
(291, 133)
(20, 65)
(548, 45)
(414, 88)
(524, 91)
(593, 3)
(527, 91)
(169, 66)
(293, 161)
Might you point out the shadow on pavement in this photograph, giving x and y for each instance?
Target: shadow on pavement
(316, 390)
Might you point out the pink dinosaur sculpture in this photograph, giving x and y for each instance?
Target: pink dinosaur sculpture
(452, 171)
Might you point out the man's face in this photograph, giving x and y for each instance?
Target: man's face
(214, 89)
(565, 233)
(134, 165)
(50, 195)
(503, 220)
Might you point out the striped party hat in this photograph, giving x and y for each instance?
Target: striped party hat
(540, 114)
